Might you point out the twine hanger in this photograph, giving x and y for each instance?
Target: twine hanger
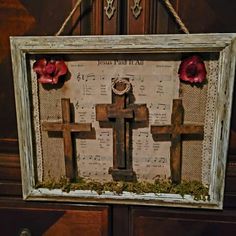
(176, 16)
(68, 18)
(166, 2)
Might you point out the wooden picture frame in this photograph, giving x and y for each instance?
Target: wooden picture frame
(218, 52)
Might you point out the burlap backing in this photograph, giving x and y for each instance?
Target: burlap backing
(194, 100)
(52, 142)
(199, 109)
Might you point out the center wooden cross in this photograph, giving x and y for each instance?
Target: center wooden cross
(176, 129)
(67, 128)
(121, 114)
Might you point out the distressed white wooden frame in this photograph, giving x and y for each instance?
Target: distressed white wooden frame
(224, 44)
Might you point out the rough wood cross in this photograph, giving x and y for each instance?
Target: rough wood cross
(121, 114)
(176, 129)
(67, 128)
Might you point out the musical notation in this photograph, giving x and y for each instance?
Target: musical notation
(153, 83)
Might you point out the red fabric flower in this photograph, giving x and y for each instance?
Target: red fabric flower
(192, 70)
(48, 72)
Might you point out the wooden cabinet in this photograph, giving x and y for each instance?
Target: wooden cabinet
(20, 17)
(54, 219)
(154, 222)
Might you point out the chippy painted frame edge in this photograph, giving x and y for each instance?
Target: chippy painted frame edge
(224, 44)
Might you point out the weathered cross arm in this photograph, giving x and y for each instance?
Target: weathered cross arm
(76, 127)
(183, 129)
(139, 112)
(66, 127)
(176, 130)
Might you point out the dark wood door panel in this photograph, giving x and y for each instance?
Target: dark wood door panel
(10, 167)
(208, 16)
(10, 175)
(55, 221)
(185, 222)
(22, 17)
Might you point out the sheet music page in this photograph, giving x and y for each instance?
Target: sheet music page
(154, 83)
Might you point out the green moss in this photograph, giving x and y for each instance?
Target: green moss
(194, 188)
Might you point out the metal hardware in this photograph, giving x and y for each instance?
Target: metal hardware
(109, 9)
(136, 8)
(25, 232)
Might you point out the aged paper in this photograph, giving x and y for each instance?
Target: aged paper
(155, 83)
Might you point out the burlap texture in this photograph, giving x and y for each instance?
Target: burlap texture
(194, 103)
(199, 109)
(52, 142)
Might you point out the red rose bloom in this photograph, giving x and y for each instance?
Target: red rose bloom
(192, 70)
(48, 72)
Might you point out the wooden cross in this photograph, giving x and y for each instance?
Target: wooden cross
(121, 113)
(176, 129)
(67, 128)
